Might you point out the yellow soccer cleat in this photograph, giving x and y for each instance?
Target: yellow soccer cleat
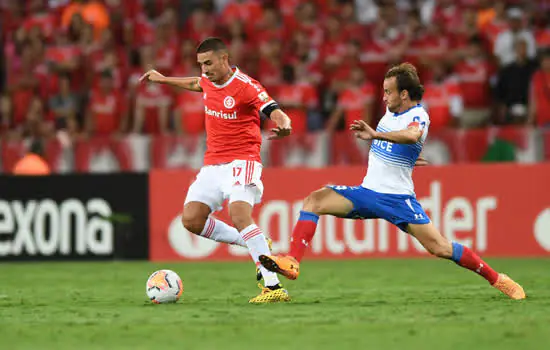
(509, 287)
(284, 265)
(270, 295)
(269, 244)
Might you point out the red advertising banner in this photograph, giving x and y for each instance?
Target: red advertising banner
(498, 210)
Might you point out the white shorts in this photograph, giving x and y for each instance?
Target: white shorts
(239, 180)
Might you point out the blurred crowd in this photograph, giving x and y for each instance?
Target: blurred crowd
(75, 65)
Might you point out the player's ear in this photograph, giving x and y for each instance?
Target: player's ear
(224, 55)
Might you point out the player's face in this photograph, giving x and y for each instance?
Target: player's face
(212, 65)
(392, 97)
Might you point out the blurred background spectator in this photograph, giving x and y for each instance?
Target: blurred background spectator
(74, 65)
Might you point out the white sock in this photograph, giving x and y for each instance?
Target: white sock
(257, 245)
(219, 231)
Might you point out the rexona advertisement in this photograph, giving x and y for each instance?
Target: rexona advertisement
(497, 210)
(73, 217)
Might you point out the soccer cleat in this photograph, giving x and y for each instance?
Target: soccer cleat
(284, 265)
(509, 287)
(268, 295)
(258, 272)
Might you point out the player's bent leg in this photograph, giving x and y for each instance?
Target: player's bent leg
(324, 201)
(195, 215)
(196, 219)
(439, 246)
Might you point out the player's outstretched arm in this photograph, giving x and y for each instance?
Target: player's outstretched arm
(188, 83)
(363, 131)
(283, 123)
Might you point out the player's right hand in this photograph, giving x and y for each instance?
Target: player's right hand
(280, 132)
(362, 130)
(151, 75)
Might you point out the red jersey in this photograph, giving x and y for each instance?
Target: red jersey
(437, 98)
(153, 97)
(353, 101)
(290, 96)
(107, 110)
(232, 120)
(191, 106)
(540, 87)
(474, 78)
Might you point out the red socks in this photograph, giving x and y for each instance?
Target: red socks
(466, 258)
(303, 234)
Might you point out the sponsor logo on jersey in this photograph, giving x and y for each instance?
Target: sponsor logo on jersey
(220, 114)
(229, 102)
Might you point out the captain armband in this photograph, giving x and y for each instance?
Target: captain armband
(269, 108)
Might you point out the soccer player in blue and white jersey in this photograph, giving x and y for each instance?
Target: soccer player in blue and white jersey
(387, 191)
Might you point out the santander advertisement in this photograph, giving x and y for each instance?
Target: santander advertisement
(497, 210)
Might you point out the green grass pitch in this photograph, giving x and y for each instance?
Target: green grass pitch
(359, 304)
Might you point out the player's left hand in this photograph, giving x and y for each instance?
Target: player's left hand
(362, 130)
(280, 132)
(421, 162)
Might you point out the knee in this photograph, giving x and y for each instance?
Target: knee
(193, 223)
(314, 202)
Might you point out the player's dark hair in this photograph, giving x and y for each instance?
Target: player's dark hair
(406, 77)
(211, 44)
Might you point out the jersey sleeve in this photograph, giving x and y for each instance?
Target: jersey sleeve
(259, 99)
(419, 120)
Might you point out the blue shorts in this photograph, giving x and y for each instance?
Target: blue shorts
(399, 209)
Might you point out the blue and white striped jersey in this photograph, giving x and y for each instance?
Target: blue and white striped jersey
(391, 164)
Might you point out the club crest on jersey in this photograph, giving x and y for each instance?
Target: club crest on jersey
(229, 102)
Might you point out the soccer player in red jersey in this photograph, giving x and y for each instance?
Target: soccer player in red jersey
(232, 164)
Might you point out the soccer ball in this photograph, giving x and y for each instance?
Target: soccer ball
(164, 286)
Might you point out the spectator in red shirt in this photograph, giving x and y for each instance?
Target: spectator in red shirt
(542, 33)
(200, 25)
(308, 22)
(494, 23)
(40, 17)
(348, 17)
(106, 113)
(297, 99)
(189, 113)
(187, 59)
(442, 97)
(33, 126)
(355, 102)
(270, 27)
(473, 74)
(6, 114)
(270, 64)
(65, 56)
(23, 83)
(64, 106)
(165, 47)
(539, 96)
(152, 103)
